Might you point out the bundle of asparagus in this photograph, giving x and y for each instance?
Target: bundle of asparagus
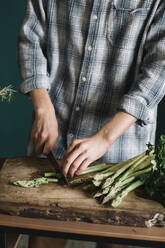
(110, 183)
(115, 182)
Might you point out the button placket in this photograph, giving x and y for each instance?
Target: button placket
(82, 89)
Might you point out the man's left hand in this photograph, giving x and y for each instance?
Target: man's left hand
(83, 152)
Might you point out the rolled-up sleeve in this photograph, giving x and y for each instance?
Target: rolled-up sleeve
(31, 48)
(149, 87)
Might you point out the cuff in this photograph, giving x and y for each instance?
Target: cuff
(136, 108)
(36, 82)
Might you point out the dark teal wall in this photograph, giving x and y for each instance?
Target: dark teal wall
(15, 116)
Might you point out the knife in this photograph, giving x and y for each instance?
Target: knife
(56, 166)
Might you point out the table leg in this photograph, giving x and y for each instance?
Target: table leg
(3, 240)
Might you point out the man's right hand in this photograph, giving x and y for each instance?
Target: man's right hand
(45, 128)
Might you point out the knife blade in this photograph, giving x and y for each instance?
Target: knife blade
(56, 166)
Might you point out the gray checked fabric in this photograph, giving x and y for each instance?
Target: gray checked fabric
(95, 57)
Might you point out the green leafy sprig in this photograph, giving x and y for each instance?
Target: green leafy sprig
(6, 93)
(155, 183)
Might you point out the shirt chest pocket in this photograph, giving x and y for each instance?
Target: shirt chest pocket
(125, 22)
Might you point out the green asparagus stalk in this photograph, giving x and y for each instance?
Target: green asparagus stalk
(88, 174)
(116, 202)
(99, 177)
(114, 190)
(97, 181)
(50, 174)
(125, 178)
(81, 180)
(124, 166)
(117, 188)
(102, 192)
(53, 174)
(34, 183)
(145, 160)
(95, 168)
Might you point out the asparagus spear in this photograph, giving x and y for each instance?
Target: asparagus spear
(145, 161)
(50, 174)
(88, 174)
(116, 202)
(81, 180)
(34, 183)
(99, 177)
(95, 168)
(124, 166)
(118, 188)
(53, 174)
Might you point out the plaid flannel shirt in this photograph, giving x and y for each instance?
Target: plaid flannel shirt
(94, 58)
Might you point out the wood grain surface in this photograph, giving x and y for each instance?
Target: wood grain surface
(65, 203)
(99, 230)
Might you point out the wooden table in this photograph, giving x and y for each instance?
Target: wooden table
(148, 237)
(141, 236)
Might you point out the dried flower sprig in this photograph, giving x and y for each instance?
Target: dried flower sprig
(6, 93)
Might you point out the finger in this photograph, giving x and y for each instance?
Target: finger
(76, 164)
(49, 146)
(36, 128)
(71, 147)
(40, 142)
(35, 136)
(39, 147)
(83, 166)
(34, 131)
(71, 157)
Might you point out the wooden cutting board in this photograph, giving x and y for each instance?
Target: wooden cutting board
(64, 202)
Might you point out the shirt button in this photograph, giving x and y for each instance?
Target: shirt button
(78, 108)
(95, 17)
(71, 135)
(89, 48)
(84, 79)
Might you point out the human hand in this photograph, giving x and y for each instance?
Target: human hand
(45, 130)
(83, 152)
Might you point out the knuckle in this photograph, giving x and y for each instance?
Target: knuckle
(71, 172)
(35, 137)
(74, 142)
(67, 161)
(81, 146)
(74, 165)
(84, 166)
(43, 136)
